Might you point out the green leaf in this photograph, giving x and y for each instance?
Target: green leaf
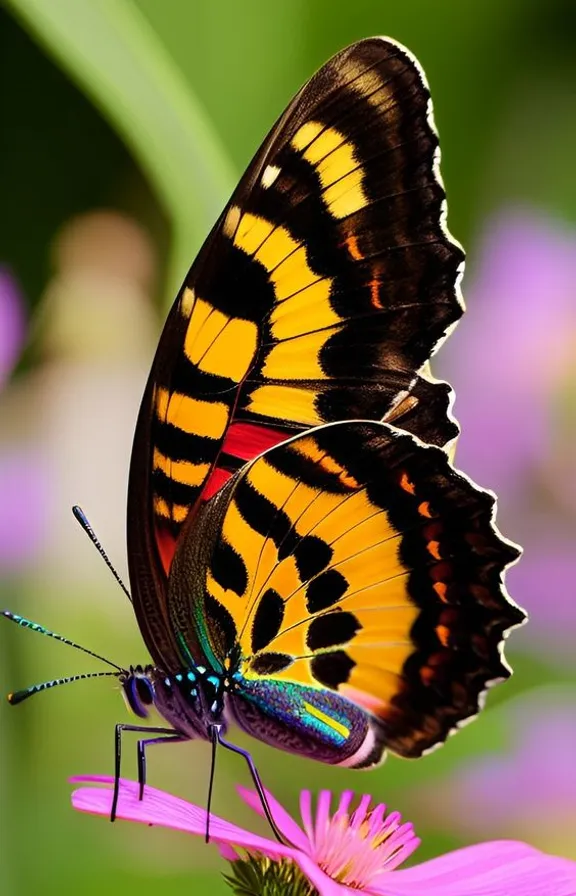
(110, 50)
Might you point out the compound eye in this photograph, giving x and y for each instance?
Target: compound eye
(139, 694)
(145, 690)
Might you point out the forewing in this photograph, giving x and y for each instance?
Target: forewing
(324, 287)
(353, 560)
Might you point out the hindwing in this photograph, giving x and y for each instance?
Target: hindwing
(351, 559)
(320, 294)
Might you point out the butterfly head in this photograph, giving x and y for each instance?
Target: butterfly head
(138, 689)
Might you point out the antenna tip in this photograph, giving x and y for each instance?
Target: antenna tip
(80, 516)
(19, 696)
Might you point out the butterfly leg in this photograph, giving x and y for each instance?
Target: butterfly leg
(118, 757)
(214, 733)
(217, 737)
(142, 744)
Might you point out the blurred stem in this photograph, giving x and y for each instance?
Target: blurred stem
(109, 49)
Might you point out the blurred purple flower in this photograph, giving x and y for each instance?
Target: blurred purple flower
(508, 362)
(529, 789)
(349, 851)
(12, 323)
(19, 477)
(543, 582)
(23, 489)
(510, 348)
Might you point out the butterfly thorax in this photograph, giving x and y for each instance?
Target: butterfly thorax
(191, 700)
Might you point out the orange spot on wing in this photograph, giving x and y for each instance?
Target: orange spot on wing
(329, 464)
(433, 548)
(407, 484)
(375, 293)
(441, 590)
(443, 633)
(352, 244)
(310, 449)
(424, 509)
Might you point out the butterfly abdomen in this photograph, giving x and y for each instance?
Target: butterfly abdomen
(308, 722)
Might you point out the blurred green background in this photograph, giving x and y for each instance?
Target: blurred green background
(126, 124)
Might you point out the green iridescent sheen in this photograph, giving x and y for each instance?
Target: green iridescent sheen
(201, 629)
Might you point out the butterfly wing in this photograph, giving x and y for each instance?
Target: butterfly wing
(321, 292)
(354, 580)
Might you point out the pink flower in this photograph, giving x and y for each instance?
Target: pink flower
(350, 850)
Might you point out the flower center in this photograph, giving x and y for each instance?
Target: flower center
(354, 848)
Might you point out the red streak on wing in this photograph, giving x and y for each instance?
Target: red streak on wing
(216, 480)
(166, 544)
(246, 440)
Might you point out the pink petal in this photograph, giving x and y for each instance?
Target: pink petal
(360, 813)
(501, 868)
(227, 852)
(306, 813)
(344, 803)
(168, 811)
(399, 845)
(285, 823)
(377, 818)
(322, 814)
(324, 884)
(394, 818)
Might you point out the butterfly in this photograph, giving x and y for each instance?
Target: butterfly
(304, 560)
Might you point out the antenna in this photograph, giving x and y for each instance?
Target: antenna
(36, 627)
(19, 696)
(82, 519)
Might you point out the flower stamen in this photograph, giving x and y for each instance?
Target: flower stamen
(353, 848)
